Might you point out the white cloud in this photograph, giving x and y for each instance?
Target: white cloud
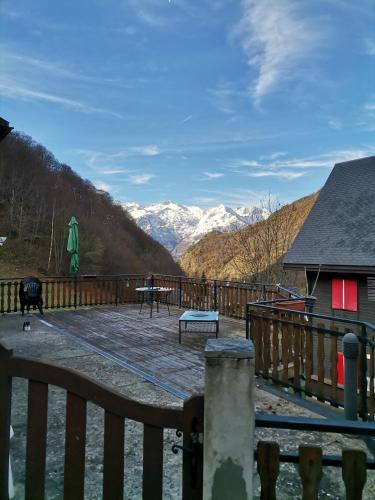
(283, 174)
(335, 124)
(277, 39)
(102, 186)
(149, 150)
(110, 163)
(290, 168)
(209, 176)
(370, 47)
(370, 106)
(13, 91)
(141, 178)
(187, 118)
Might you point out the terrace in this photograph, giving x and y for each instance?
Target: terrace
(104, 336)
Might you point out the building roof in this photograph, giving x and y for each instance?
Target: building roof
(340, 229)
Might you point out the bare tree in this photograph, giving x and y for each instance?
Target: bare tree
(257, 249)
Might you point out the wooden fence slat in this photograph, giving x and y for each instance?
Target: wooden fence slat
(308, 356)
(372, 376)
(2, 294)
(268, 467)
(333, 374)
(284, 350)
(5, 411)
(297, 357)
(75, 440)
(113, 467)
(9, 300)
(36, 440)
(310, 470)
(354, 473)
(320, 361)
(152, 463)
(275, 348)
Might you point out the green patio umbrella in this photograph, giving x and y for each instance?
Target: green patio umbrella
(73, 246)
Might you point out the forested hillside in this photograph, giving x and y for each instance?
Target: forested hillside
(254, 252)
(38, 196)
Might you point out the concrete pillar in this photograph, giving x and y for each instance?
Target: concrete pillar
(351, 350)
(228, 420)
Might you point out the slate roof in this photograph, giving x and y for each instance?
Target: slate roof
(340, 229)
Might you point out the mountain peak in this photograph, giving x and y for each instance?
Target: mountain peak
(179, 226)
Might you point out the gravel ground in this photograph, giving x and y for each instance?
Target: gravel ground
(44, 343)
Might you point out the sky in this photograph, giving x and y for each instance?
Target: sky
(201, 102)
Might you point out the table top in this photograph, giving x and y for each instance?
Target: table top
(153, 289)
(200, 316)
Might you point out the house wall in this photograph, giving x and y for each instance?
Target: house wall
(323, 293)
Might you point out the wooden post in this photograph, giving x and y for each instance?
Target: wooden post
(5, 409)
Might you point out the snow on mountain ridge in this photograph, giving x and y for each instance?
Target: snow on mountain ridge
(179, 226)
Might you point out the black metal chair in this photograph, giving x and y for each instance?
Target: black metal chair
(30, 294)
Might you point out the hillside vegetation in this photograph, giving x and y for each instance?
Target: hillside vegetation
(38, 196)
(254, 252)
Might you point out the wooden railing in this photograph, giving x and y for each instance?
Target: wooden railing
(300, 350)
(311, 459)
(80, 390)
(227, 297)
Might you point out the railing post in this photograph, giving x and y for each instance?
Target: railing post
(363, 374)
(228, 419)
(351, 348)
(247, 321)
(5, 409)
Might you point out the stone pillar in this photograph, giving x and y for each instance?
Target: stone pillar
(228, 420)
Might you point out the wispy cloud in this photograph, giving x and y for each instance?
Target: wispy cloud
(290, 168)
(141, 178)
(109, 163)
(226, 96)
(148, 150)
(187, 119)
(278, 39)
(335, 124)
(209, 176)
(369, 46)
(283, 174)
(14, 91)
(231, 198)
(102, 186)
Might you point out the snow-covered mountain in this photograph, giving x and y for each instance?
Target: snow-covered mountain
(179, 226)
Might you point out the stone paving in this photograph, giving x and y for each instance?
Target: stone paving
(46, 343)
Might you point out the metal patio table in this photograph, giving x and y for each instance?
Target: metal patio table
(152, 294)
(198, 317)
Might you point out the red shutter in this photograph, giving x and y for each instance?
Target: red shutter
(350, 295)
(337, 294)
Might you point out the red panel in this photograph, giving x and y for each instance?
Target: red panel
(350, 295)
(340, 368)
(337, 294)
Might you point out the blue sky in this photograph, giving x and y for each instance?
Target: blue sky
(196, 101)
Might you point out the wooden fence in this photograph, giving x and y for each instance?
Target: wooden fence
(302, 351)
(81, 389)
(227, 297)
(311, 459)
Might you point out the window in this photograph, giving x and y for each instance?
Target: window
(344, 295)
